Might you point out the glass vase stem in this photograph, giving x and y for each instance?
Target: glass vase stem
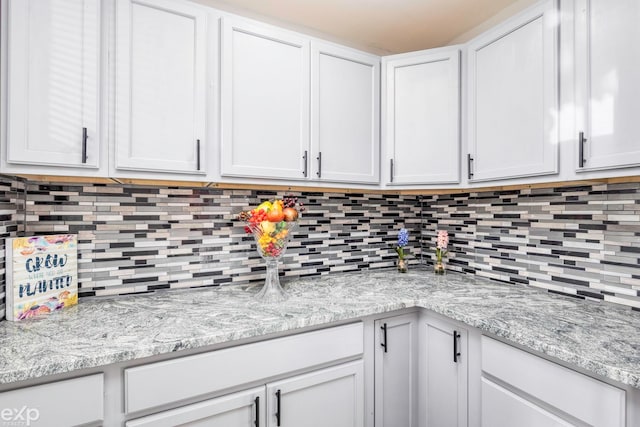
(272, 291)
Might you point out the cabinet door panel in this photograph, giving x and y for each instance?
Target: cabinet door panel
(513, 104)
(235, 410)
(330, 397)
(160, 86)
(345, 134)
(607, 89)
(446, 389)
(396, 371)
(423, 118)
(265, 101)
(53, 82)
(501, 408)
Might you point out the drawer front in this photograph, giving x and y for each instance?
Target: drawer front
(587, 399)
(63, 403)
(174, 380)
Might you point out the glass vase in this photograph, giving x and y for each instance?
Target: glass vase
(403, 265)
(439, 268)
(271, 242)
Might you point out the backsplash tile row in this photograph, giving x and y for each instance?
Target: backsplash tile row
(580, 241)
(136, 239)
(11, 223)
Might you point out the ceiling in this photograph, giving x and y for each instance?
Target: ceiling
(380, 26)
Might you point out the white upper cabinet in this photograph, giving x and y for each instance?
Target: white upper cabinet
(160, 85)
(344, 114)
(513, 97)
(607, 67)
(265, 102)
(421, 124)
(53, 82)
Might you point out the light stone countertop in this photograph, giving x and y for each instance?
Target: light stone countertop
(599, 337)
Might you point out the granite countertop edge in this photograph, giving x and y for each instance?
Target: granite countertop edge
(600, 338)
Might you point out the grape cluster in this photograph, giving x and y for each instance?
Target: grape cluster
(290, 201)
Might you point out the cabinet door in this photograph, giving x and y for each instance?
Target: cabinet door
(265, 102)
(501, 408)
(513, 97)
(242, 409)
(53, 96)
(446, 374)
(422, 118)
(160, 86)
(607, 89)
(345, 109)
(396, 377)
(329, 397)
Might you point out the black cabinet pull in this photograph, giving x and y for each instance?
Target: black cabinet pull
(256, 401)
(581, 142)
(197, 154)
(304, 158)
(278, 404)
(319, 173)
(469, 171)
(384, 337)
(85, 136)
(390, 170)
(456, 353)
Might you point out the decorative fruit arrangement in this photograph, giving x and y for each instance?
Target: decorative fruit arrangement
(271, 222)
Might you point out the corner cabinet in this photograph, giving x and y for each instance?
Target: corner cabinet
(160, 86)
(345, 143)
(444, 370)
(53, 66)
(607, 65)
(265, 101)
(396, 371)
(513, 97)
(421, 117)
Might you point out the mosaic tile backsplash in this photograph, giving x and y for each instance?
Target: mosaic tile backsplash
(581, 241)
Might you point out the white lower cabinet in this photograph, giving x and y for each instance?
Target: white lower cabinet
(443, 366)
(329, 397)
(500, 407)
(245, 408)
(287, 379)
(519, 388)
(396, 371)
(72, 402)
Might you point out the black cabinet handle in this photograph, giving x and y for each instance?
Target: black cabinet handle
(197, 154)
(469, 171)
(85, 136)
(384, 339)
(278, 404)
(581, 142)
(256, 401)
(304, 157)
(319, 173)
(456, 353)
(390, 170)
